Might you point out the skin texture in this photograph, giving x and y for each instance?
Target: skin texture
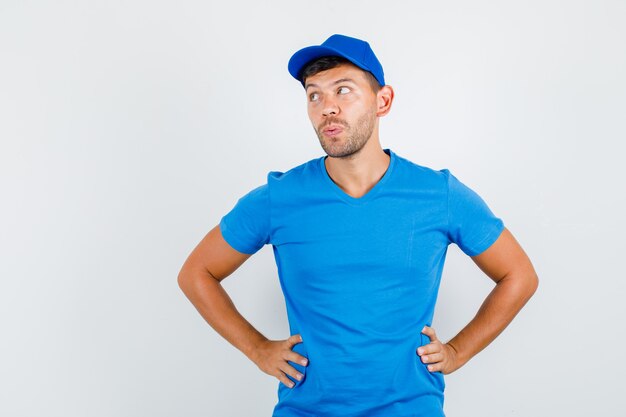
(355, 163)
(357, 106)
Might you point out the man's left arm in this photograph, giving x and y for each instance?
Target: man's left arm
(506, 263)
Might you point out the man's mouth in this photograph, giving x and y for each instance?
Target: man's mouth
(332, 130)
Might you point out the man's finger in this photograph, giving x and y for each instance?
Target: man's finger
(428, 349)
(432, 358)
(436, 367)
(430, 332)
(294, 339)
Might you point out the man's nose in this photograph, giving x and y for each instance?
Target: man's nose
(329, 107)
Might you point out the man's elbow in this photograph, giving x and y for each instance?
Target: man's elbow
(533, 283)
(525, 282)
(528, 283)
(187, 278)
(184, 280)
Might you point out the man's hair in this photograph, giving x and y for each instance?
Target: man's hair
(327, 62)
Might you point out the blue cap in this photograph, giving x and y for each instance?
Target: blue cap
(354, 50)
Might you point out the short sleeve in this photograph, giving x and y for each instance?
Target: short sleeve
(246, 226)
(471, 223)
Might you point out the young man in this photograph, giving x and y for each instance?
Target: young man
(360, 238)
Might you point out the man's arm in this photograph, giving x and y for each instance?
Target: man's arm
(212, 260)
(506, 263)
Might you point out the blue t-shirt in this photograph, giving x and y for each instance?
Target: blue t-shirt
(360, 278)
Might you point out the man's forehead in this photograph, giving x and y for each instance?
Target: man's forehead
(335, 75)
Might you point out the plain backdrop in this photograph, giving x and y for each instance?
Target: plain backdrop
(128, 128)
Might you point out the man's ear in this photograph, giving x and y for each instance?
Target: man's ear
(384, 98)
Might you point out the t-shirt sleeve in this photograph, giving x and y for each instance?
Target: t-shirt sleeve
(246, 226)
(471, 223)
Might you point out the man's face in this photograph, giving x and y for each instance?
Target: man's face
(342, 107)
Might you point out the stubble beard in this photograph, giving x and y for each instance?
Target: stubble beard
(355, 140)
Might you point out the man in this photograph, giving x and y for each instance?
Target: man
(360, 238)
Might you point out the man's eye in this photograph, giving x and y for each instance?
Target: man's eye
(313, 97)
(346, 89)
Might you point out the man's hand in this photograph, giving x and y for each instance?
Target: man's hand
(441, 356)
(271, 357)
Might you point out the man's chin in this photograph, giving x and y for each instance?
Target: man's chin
(339, 152)
(333, 151)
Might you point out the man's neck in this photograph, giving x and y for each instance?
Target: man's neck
(359, 173)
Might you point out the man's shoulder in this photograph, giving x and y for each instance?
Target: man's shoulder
(295, 174)
(415, 171)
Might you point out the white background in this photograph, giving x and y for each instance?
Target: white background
(128, 128)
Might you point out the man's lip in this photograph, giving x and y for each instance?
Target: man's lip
(332, 129)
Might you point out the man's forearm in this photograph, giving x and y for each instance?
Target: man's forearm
(216, 307)
(498, 310)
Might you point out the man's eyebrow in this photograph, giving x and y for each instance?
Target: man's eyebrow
(342, 80)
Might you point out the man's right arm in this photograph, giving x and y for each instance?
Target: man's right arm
(212, 260)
